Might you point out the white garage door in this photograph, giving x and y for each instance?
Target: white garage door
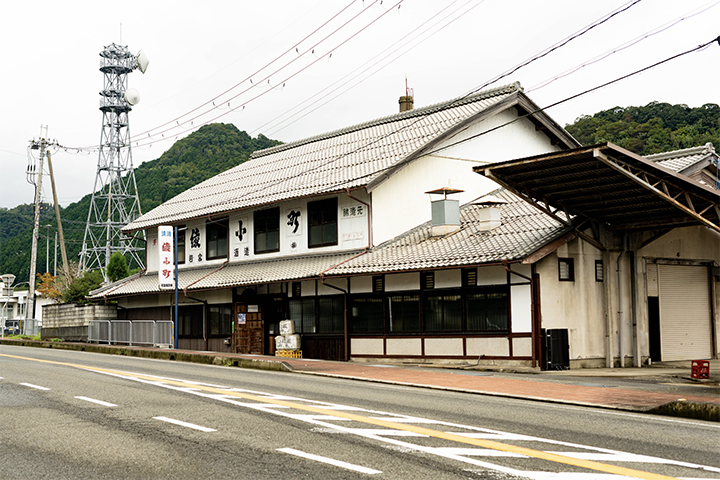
(685, 325)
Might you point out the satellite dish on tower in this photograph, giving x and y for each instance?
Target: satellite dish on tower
(142, 61)
(132, 96)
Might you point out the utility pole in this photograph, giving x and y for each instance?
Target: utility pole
(40, 145)
(66, 267)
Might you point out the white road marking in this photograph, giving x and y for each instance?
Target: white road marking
(38, 387)
(331, 461)
(185, 424)
(99, 402)
(453, 453)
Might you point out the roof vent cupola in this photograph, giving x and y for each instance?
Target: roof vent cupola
(489, 215)
(445, 212)
(406, 101)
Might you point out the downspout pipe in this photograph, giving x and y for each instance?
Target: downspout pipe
(322, 275)
(621, 319)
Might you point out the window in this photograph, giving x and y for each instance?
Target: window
(443, 313)
(599, 271)
(266, 225)
(190, 321)
(469, 277)
(331, 314)
(216, 243)
(566, 270)
(302, 311)
(220, 320)
(427, 280)
(378, 284)
(487, 310)
(404, 313)
(322, 229)
(367, 315)
(181, 244)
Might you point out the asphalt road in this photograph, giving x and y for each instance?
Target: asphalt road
(68, 415)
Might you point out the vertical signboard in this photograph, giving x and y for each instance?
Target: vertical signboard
(166, 277)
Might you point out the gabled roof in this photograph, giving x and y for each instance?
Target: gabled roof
(681, 160)
(524, 230)
(359, 156)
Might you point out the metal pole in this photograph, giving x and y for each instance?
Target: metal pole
(47, 248)
(175, 320)
(55, 259)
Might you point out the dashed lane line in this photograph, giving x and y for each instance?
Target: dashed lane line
(379, 422)
(99, 402)
(37, 387)
(331, 461)
(185, 424)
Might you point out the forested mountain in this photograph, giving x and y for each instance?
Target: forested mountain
(210, 150)
(654, 128)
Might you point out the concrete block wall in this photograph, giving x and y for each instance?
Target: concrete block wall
(69, 322)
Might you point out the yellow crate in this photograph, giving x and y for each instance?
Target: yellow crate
(288, 353)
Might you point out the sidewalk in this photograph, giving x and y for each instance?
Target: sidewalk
(640, 390)
(662, 389)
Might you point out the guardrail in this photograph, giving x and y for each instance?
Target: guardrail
(131, 332)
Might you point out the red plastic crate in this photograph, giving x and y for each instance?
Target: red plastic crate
(700, 369)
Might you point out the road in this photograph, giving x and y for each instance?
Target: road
(69, 415)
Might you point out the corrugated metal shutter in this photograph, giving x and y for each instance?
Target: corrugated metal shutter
(684, 312)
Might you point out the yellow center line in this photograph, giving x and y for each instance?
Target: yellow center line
(489, 444)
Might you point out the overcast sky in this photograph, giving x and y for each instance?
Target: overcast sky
(346, 71)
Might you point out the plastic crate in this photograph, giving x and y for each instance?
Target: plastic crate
(700, 369)
(289, 353)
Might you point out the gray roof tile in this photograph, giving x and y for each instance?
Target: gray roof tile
(326, 163)
(523, 230)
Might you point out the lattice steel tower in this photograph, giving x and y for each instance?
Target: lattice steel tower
(115, 201)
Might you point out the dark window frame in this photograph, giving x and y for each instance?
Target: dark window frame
(266, 222)
(599, 271)
(568, 276)
(216, 236)
(225, 320)
(181, 244)
(323, 216)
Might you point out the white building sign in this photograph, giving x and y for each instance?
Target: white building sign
(166, 275)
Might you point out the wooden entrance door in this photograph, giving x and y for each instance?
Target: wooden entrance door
(249, 329)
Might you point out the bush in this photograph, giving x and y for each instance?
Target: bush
(81, 286)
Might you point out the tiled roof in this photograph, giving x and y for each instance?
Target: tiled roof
(326, 163)
(523, 230)
(232, 275)
(679, 160)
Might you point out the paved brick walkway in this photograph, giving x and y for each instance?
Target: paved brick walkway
(620, 398)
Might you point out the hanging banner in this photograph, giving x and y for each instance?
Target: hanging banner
(166, 266)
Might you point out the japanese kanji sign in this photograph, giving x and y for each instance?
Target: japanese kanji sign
(166, 258)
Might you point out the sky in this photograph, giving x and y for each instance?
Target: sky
(293, 69)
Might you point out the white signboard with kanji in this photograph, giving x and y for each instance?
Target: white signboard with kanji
(166, 274)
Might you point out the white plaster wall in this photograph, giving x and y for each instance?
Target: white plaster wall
(448, 278)
(522, 269)
(402, 281)
(400, 202)
(577, 306)
(495, 275)
(361, 284)
(444, 346)
(520, 308)
(366, 346)
(404, 346)
(491, 347)
(522, 347)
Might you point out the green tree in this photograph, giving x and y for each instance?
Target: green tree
(79, 288)
(117, 267)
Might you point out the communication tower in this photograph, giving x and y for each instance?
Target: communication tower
(115, 201)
